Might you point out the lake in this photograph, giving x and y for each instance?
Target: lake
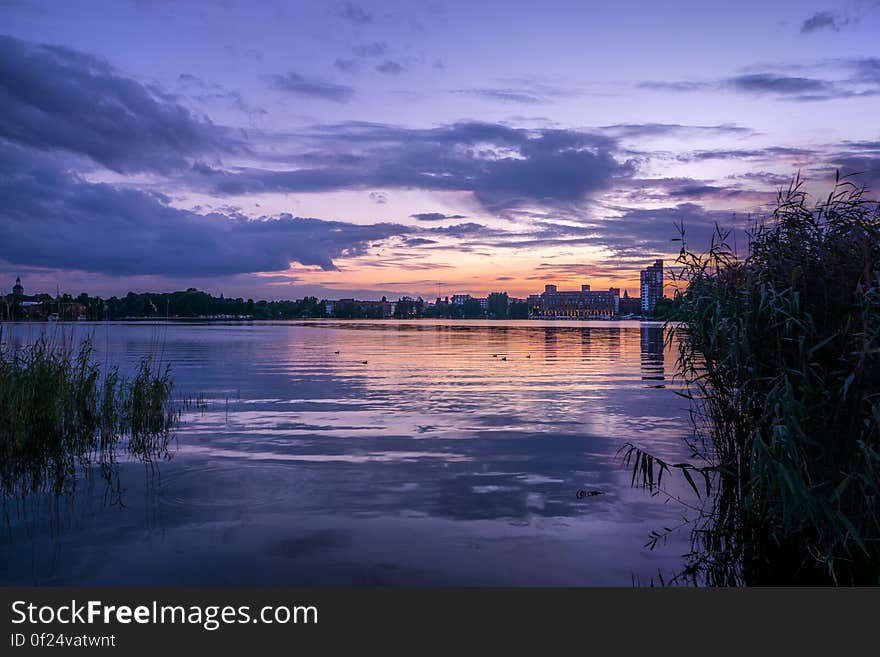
(375, 453)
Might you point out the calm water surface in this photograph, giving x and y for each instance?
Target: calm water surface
(435, 462)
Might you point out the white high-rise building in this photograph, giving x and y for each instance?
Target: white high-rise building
(651, 280)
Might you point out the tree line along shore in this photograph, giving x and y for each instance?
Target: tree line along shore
(195, 304)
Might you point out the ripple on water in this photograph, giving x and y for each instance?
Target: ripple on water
(219, 485)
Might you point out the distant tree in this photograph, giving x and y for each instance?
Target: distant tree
(666, 309)
(471, 309)
(188, 303)
(405, 308)
(348, 311)
(518, 310)
(439, 310)
(498, 305)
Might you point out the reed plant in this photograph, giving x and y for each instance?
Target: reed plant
(780, 354)
(60, 410)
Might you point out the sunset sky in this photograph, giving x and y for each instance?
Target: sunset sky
(279, 149)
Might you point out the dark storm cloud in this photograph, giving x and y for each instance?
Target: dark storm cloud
(664, 129)
(697, 191)
(760, 83)
(504, 167)
(865, 69)
(347, 65)
(435, 216)
(53, 98)
(861, 78)
(634, 232)
(355, 14)
(863, 145)
(860, 162)
(765, 178)
(680, 189)
(638, 230)
(771, 153)
(469, 229)
(52, 218)
(822, 20)
(299, 85)
(390, 67)
(785, 87)
(863, 168)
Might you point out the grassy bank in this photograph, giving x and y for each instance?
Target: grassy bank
(780, 351)
(60, 410)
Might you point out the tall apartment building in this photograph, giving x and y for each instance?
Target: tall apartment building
(651, 280)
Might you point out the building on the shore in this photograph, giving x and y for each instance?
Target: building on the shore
(352, 307)
(576, 304)
(20, 306)
(33, 310)
(651, 283)
(630, 305)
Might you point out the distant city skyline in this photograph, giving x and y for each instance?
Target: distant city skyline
(552, 303)
(364, 149)
(458, 296)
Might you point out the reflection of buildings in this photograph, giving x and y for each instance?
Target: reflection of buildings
(652, 353)
(551, 342)
(601, 343)
(583, 303)
(651, 280)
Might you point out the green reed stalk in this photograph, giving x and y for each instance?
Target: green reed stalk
(780, 351)
(59, 410)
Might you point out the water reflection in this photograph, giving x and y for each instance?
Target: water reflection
(652, 338)
(453, 455)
